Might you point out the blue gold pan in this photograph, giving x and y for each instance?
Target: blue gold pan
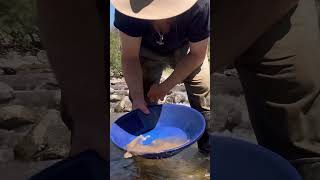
(164, 121)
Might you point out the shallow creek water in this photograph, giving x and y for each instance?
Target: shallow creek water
(188, 164)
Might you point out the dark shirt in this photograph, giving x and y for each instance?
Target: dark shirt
(191, 26)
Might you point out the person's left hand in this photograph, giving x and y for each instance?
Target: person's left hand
(156, 92)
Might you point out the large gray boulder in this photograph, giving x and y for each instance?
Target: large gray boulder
(16, 61)
(49, 139)
(6, 93)
(57, 137)
(15, 116)
(37, 98)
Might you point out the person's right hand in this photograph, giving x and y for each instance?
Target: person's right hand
(140, 104)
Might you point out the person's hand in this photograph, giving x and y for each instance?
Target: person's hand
(140, 104)
(156, 92)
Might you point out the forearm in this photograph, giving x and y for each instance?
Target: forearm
(238, 24)
(183, 69)
(133, 75)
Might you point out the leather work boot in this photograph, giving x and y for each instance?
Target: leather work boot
(203, 142)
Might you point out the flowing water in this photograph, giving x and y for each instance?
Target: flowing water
(188, 164)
